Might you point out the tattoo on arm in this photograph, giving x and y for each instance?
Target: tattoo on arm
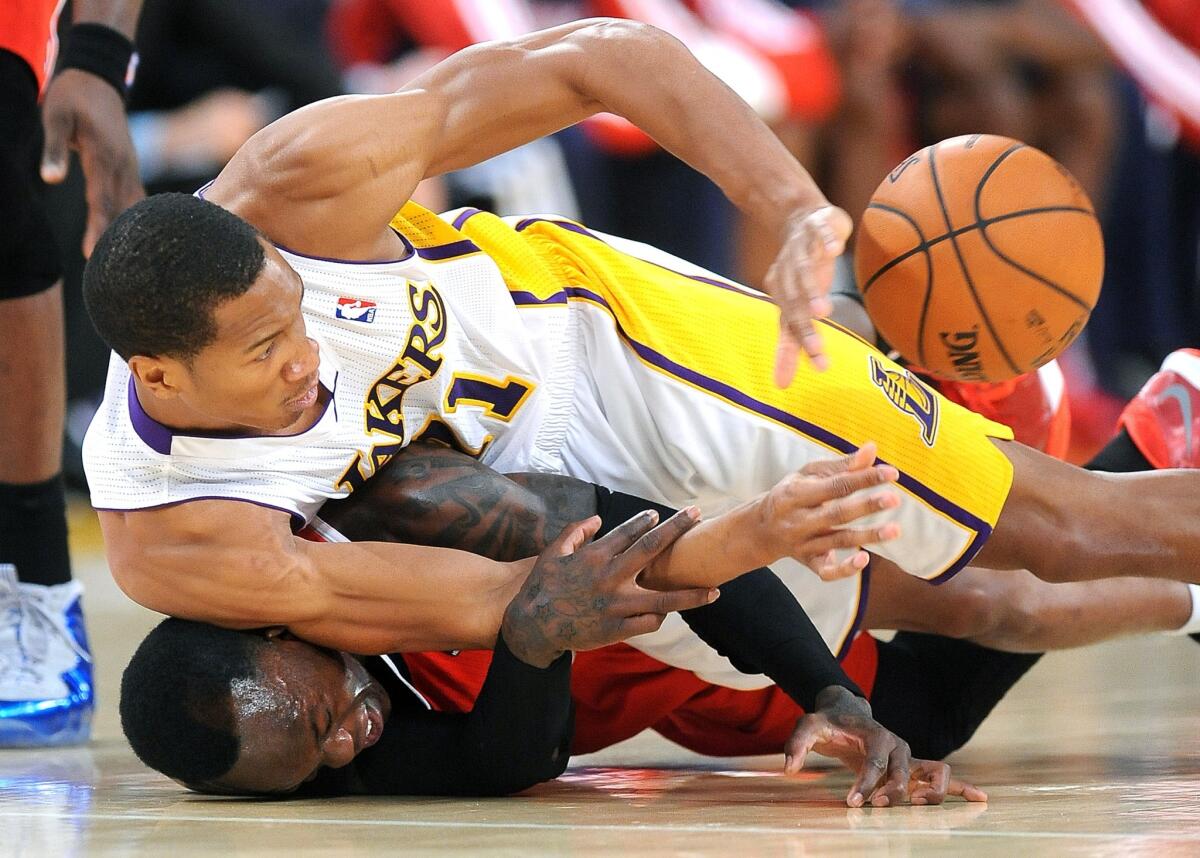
(432, 495)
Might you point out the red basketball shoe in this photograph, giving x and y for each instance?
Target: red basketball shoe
(1164, 418)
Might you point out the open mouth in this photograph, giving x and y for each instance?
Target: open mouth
(370, 725)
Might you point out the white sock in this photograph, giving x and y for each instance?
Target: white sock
(1192, 626)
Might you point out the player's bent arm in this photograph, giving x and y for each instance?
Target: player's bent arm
(327, 179)
(238, 565)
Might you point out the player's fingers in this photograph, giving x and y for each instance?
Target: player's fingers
(871, 773)
(56, 125)
(826, 490)
(931, 780)
(635, 558)
(640, 624)
(894, 790)
(815, 551)
(806, 735)
(574, 536)
(668, 601)
(787, 358)
(624, 535)
(968, 791)
(861, 458)
(828, 568)
(839, 513)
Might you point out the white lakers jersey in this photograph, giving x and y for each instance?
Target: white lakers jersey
(428, 345)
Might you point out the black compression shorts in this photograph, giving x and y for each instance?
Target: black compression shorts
(29, 258)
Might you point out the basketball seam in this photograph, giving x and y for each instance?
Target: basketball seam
(962, 263)
(1066, 293)
(982, 223)
(928, 275)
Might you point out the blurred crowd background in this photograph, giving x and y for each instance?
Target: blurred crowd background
(851, 86)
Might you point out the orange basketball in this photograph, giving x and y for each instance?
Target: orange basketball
(979, 258)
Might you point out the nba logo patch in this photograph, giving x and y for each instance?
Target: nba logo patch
(355, 310)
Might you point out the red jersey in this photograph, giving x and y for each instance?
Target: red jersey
(29, 28)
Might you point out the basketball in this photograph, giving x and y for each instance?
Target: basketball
(979, 258)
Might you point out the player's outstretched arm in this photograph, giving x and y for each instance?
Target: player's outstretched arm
(326, 179)
(238, 565)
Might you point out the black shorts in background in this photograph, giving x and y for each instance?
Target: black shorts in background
(29, 257)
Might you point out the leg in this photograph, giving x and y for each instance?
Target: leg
(45, 670)
(1012, 610)
(1067, 524)
(935, 691)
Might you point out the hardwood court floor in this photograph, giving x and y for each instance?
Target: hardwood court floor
(1095, 753)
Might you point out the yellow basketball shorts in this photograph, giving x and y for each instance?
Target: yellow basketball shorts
(673, 395)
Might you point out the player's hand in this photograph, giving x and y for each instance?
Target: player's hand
(583, 594)
(810, 514)
(886, 772)
(843, 728)
(800, 279)
(930, 783)
(84, 113)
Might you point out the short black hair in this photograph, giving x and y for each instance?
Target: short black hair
(177, 706)
(160, 270)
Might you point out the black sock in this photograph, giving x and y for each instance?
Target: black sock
(935, 691)
(33, 531)
(1120, 456)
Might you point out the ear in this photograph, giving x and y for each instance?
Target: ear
(162, 376)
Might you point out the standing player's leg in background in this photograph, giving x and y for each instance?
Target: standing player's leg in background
(45, 667)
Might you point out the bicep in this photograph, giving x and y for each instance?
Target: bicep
(298, 179)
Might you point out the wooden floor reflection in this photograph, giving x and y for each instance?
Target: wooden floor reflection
(1095, 753)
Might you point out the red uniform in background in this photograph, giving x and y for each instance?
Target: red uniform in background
(28, 28)
(773, 57)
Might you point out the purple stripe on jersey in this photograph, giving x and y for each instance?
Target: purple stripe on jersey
(448, 251)
(155, 435)
(711, 281)
(464, 216)
(981, 528)
(158, 437)
(296, 518)
(864, 588)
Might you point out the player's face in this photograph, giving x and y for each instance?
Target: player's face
(311, 708)
(261, 370)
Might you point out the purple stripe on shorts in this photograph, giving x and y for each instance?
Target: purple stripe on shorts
(982, 529)
(464, 216)
(864, 588)
(448, 251)
(711, 281)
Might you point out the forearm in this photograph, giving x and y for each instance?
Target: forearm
(651, 79)
(715, 551)
(120, 15)
(242, 568)
(378, 597)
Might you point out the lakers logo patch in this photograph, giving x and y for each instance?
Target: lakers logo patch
(909, 395)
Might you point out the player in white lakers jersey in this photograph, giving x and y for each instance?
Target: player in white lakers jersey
(254, 381)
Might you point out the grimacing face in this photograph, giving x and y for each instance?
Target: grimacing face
(309, 708)
(259, 372)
